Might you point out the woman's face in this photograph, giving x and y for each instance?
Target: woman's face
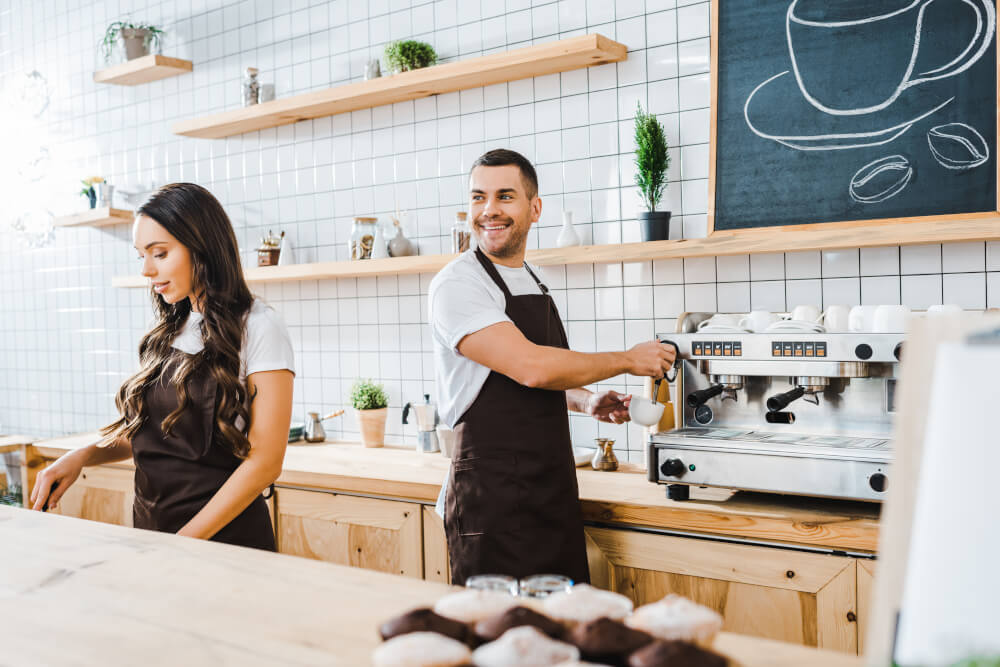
(165, 261)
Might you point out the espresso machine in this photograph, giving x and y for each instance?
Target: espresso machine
(801, 413)
(427, 421)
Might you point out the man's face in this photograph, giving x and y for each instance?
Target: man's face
(501, 210)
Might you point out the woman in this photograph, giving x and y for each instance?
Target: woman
(206, 417)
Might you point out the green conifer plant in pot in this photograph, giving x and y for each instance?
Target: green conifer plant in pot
(652, 159)
(371, 409)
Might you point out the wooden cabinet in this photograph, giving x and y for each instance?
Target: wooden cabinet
(101, 493)
(866, 577)
(437, 567)
(375, 534)
(793, 596)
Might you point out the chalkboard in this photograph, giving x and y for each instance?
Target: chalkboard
(834, 111)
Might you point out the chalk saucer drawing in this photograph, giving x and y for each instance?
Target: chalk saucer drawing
(837, 133)
(945, 141)
(880, 179)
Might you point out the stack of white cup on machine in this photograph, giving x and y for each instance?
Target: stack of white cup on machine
(887, 318)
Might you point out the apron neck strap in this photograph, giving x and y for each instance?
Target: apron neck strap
(491, 270)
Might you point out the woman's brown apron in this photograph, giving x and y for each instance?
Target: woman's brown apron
(177, 474)
(513, 505)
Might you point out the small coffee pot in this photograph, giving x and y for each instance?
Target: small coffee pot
(314, 431)
(604, 458)
(427, 420)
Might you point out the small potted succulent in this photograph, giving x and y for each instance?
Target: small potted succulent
(371, 408)
(651, 162)
(409, 55)
(89, 189)
(136, 37)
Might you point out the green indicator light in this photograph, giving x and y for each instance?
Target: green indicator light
(691, 467)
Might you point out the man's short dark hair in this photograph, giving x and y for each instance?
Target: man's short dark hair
(501, 157)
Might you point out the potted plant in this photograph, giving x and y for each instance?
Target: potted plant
(651, 162)
(370, 405)
(137, 38)
(409, 55)
(89, 190)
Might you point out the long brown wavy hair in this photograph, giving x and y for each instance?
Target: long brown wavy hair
(197, 220)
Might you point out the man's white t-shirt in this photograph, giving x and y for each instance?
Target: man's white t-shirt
(266, 344)
(463, 299)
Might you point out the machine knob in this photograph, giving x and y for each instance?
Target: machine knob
(898, 352)
(863, 351)
(673, 468)
(879, 482)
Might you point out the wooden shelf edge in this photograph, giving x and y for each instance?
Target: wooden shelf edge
(743, 243)
(95, 217)
(540, 59)
(143, 70)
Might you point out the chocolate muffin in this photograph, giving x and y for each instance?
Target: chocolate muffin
(491, 628)
(424, 620)
(675, 654)
(607, 641)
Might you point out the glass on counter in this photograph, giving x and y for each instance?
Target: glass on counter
(543, 585)
(492, 582)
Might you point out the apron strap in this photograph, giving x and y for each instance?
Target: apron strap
(495, 275)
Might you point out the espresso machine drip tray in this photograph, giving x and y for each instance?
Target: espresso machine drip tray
(787, 441)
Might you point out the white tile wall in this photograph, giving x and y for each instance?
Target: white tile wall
(67, 339)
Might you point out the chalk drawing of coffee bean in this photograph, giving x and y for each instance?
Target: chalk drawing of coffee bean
(880, 180)
(957, 146)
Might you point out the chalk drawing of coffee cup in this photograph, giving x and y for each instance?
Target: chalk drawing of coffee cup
(879, 60)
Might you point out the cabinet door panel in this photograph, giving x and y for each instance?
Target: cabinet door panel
(374, 534)
(866, 579)
(779, 594)
(100, 494)
(436, 564)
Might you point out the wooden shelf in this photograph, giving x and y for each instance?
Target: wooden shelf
(560, 56)
(95, 217)
(143, 70)
(983, 228)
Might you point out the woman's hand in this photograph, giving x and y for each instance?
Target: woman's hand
(51, 483)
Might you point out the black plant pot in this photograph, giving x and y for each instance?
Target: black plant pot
(655, 225)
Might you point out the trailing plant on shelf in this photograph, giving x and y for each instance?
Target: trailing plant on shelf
(652, 159)
(136, 37)
(89, 191)
(371, 408)
(409, 55)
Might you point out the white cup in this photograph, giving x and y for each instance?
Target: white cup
(722, 320)
(758, 320)
(837, 319)
(890, 319)
(806, 313)
(645, 411)
(861, 319)
(944, 309)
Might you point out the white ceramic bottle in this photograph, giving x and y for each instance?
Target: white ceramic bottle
(567, 235)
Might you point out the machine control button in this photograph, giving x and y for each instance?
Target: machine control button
(863, 351)
(898, 352)
(673, 468)
(879, 482)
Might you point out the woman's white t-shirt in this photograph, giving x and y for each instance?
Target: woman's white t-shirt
(266, 344)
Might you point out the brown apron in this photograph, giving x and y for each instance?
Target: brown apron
(512, 505)
(177, 474)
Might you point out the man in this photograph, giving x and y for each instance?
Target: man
(505, 377)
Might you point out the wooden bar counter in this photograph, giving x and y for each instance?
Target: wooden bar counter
(78, 592)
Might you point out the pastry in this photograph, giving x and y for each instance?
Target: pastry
(421, 649)
(424, 620)
(524, 647)
(584, 603)
(473, 605)
(675, 654)
(491, 628)
(676, 617)
(604, 640)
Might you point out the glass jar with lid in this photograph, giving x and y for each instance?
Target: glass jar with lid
(362, 238)
(461, 235)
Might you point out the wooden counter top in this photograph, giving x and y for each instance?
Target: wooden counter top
(624, 497)
(85, 593)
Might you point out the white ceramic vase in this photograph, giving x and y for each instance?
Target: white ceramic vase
(380, 247)
(567, 235)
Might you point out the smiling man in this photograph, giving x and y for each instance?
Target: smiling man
(505, 379)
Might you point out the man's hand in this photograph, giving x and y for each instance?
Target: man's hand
(651, 359)
(609, 406)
